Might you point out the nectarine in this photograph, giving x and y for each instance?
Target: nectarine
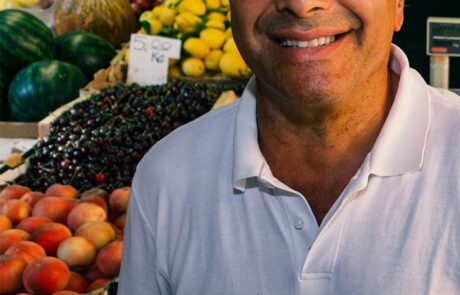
(61, 190)
(119, 199)
(85, 212)
(5, 223)
(11, 236)
(100, 233)
(14, 191)
(76, 252)
(108, 259)
(77, 283)
(27, 250)
(31, 223)
(46, 275)
(55, 208)
(16, 210)
(32, 198)
(11, 269)
(50, 235)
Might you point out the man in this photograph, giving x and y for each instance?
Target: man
(335, 173)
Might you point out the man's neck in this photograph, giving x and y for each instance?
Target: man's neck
(317, 149)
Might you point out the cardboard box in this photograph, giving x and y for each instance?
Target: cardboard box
(18, 129)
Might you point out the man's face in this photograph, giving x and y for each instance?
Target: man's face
(281, 42)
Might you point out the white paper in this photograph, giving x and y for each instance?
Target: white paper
(148, 58)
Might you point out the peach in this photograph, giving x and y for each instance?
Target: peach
(5, 223)
(14, 191)
(2, 201)
(11, 269)
(46, 275)
(55, 208)
(93, 273)
(11, 236)
(120, 221)
(119, 199)
(32, 198)
(16, 210)
(77, 283)
(98, 284)
(50, 235)
(66, 292)
(76, 252)
(97, 192)
(61, 190)
(33, 222)
(108, 259)
(85, 212)
(97, 232)
(27, 250)
(94, 200)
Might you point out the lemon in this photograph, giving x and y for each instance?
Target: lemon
(213, 37)
(187, 22)
(155, 26)
(142, 31)
(217, 16)
(233, 65)
(167, 16)
(228, 33)
(212, 4)
(170, 3)
(174, 72)
(211, 61)
(215, 24)
(146, 16)
(193, 67)
(230, 45)
(196, 47)
(225, 3)
(196, 7)
(229, 15)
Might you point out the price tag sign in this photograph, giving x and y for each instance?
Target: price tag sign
(148, 58)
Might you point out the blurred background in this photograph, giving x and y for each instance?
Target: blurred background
(412, 37)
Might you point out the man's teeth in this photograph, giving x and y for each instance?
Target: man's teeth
(311, 43)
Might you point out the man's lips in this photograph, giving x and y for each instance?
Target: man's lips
(308, 39)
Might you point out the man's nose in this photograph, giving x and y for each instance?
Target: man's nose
(302, 8)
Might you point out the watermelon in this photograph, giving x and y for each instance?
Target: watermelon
(87, 51)
(42, 87)
(24, 39)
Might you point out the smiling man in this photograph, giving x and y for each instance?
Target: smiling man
(336, 173)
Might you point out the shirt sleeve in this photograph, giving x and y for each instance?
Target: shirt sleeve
(139, 272)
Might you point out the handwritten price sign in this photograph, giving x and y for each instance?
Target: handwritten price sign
(148, 58)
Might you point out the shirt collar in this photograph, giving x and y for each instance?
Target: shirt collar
(248, 160)
(399, 147)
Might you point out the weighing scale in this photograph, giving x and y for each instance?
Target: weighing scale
(442, 42)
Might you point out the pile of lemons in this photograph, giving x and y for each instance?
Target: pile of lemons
(208, 48)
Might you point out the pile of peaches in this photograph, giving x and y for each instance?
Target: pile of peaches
(60, 241)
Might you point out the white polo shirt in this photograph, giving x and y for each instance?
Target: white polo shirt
(208, 217)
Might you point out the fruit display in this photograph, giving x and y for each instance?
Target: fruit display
(99, 141)
(98, 52)
(208, 48)
(42, 87)
(24, 39)
(78, 252)
(113, 20)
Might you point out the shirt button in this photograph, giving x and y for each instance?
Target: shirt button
(299, 224)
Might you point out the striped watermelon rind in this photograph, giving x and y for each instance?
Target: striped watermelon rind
(42, 87)
(24, 39)
(87, 51)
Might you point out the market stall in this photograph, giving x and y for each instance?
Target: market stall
(64, 194)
